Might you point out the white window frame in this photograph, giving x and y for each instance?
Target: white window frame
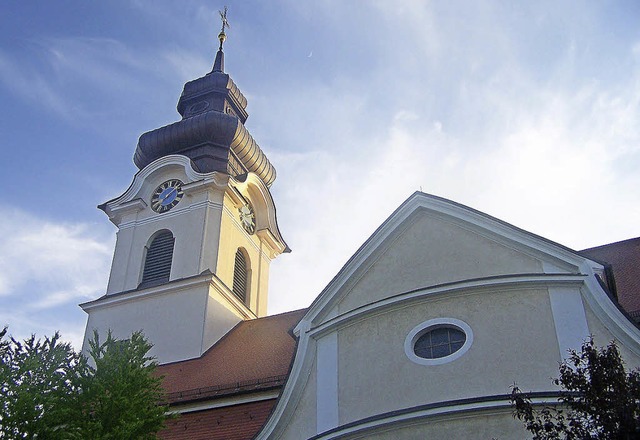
(429, 325)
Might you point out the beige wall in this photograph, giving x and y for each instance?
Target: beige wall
(602, 336)
(515, 340)
(524, 300)
(232, 237)
(303, 423)
(481, 426)
(376, 376)
(432, 251)
(516, 329)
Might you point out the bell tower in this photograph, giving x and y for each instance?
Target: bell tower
(197, 227)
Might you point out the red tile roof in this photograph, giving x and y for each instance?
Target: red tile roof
(255, 354)
(624, 258)
(238, 422)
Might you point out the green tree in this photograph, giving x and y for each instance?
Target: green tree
(37, 379)
(120, 394)
(50, 392)
(598, 399)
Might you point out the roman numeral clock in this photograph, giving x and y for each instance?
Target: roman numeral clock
(166, 196)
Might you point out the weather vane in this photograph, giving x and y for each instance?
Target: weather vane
(225, 24)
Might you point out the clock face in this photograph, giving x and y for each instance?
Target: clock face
(167, 195)
(248, 218)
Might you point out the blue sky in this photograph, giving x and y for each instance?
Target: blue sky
(529, 112)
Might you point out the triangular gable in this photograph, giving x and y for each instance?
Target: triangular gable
(558, 266)
(553, 257)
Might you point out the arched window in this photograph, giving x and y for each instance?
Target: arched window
(240, 276)
(157, 264)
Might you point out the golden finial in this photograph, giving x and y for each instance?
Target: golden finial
(225, 24)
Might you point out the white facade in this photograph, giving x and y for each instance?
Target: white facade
(196, 307)
(521, 300)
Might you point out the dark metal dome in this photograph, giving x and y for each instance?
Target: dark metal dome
(212, 132)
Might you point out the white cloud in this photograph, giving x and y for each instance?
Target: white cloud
(554, 153)
(501, 108)
(186, 65)
(55, 254)
(46, 269)
(31, 86)
(82, 78)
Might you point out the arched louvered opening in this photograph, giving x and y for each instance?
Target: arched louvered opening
(157, 264)
(241, 276)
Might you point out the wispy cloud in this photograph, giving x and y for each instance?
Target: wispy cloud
(47, 268)
(31, 86)
(82, 78)
(529, 113)
(535, 144)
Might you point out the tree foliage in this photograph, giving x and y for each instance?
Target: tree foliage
(37, 379)
(598, 400)
(50, 392)
(120, 395)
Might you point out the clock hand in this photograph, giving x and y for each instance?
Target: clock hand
(169, 194)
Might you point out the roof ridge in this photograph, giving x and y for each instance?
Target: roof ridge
(611, 244)
(277, 315)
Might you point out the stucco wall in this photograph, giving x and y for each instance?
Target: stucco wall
(163, 320)
(430, 251)
(376, 376)
(181, 323)
(207, 234)
(521, 300)
(303, 423)
(481, 426)
(232, 237)
(194, 223)
(602, 336)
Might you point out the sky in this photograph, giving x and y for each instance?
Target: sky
(527, 111)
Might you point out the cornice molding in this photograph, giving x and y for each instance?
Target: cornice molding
(141, 294)
(450, 409)
(508, 282)
(173, 213)
(419, 203)
(197, 180)
(224, 401)
(264, 206)
(231, 298)
(206, 279)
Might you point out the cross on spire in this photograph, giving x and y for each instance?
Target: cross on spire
(225, 24)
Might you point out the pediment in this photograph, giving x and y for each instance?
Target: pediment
(437, 261)
(429, 242)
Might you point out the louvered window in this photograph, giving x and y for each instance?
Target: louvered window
(240, 276)
(157, 265)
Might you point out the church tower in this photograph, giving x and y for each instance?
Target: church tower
(197, 227)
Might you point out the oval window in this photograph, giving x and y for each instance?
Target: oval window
(439, 342)
(198, 107)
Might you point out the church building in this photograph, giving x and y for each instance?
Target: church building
(418, 336)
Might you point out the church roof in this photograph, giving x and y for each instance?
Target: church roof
(623, 257)
(254, 355)
(236, 422)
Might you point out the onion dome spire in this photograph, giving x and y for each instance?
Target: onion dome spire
(212, 132)
(218, 65)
